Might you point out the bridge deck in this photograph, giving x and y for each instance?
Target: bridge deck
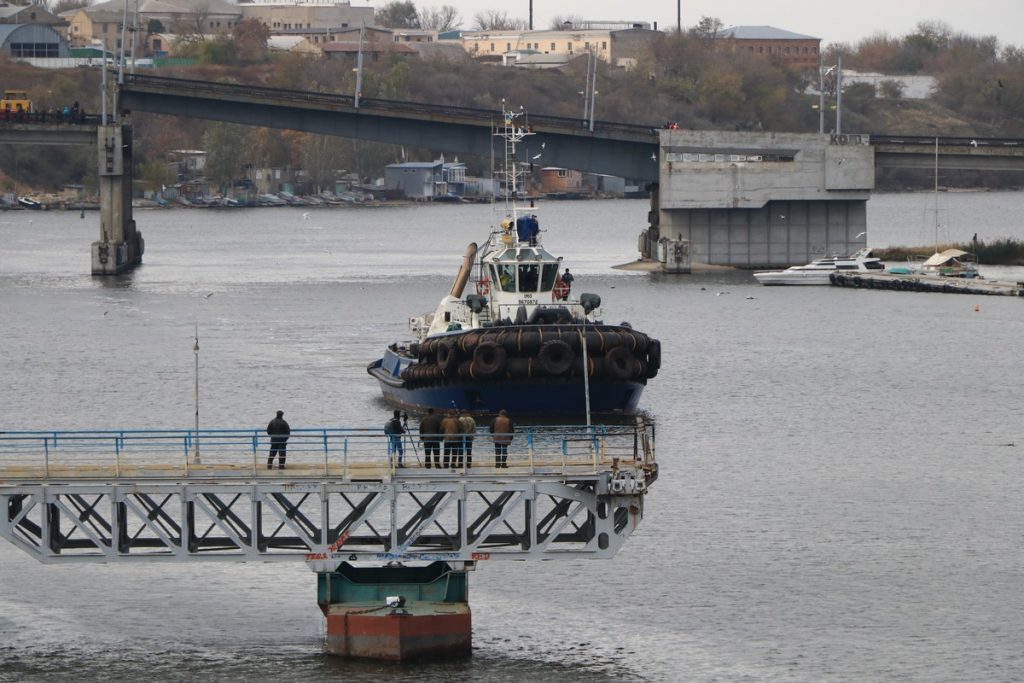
(131, 496)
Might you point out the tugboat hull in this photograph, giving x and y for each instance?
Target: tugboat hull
(520, 397)
(484, 371)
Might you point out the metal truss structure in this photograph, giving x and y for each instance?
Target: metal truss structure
(575, 510)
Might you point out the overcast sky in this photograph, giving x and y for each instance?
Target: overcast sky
(831, 21)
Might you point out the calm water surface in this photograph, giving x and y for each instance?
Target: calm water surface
(842, 470)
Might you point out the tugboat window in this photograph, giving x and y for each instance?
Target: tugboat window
(506, 277)
(529, 278)
(550, 272)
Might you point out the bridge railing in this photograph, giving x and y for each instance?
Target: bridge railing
(48, 117)
(382, 106)
(328, 452)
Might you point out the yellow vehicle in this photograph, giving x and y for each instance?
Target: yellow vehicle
(15, 100)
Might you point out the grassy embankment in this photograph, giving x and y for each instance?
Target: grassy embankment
(1001, 252)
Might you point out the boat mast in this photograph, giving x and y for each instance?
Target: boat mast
(512, 134)
(936, 194)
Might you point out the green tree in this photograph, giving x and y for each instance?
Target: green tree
(155, 174)
(226, 145)
(398, 14)
(707, 28)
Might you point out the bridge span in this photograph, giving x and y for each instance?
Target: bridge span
(363, 520)
(736, 198)
(612, 148)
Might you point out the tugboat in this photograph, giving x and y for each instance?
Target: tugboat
(519, 340)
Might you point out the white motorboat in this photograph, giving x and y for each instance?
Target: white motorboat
(817, 271)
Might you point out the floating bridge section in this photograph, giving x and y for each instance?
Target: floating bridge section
(167, 496)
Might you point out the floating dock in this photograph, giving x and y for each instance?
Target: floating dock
(927, 283)
(391, 541)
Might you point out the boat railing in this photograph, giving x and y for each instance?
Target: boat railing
(333, 453)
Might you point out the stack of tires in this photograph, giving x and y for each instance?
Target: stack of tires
(616, 353)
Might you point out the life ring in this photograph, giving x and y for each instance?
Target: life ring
(560, 292)
(555, 357)
(489, 359)
(483, 287)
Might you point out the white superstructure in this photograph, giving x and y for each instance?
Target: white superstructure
(817, 272)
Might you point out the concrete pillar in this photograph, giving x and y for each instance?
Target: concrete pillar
(120, 245)
(396, 613)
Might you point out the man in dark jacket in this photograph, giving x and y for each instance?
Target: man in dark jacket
(501, 432)
(430, 435)
(394, 429)
(278, 430)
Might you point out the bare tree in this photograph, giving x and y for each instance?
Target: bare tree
(558, 23)
(191, 28)
(494, 20)
(67, 5)
(443, 18)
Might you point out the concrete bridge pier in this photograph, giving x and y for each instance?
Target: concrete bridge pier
(120, 245)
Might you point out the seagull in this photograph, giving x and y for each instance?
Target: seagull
(305, 215)
(208, 295)
(654, 156)
(859, 235)
(974, 143)
(105, 312)
(750, 298)
(721, 293)
(543, 144)
(536, 156)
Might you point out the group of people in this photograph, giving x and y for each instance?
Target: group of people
(455, 432)
(448, 440)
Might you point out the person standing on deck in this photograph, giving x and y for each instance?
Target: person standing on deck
(394, 429)
(452, 439)
(467, 425)
(567, 278)
(278, 430)
(501, 432)
(430, 435)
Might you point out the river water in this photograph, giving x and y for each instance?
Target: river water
(842, 470)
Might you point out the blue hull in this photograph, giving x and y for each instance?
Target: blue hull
(552, 395)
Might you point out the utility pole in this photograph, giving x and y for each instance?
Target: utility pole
(679, 16)
(359, 65)
(839, 96)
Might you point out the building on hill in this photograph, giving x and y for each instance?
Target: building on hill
(376, 42)
(618, 47)
(427, 179)
(768, 42)
(102, 21)
(295, 16)
(294, 44)
(32, 41)
(28, 14)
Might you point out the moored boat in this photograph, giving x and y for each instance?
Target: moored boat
(817, 272)
(519, 340)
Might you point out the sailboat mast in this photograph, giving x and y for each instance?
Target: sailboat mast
(936, 194)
